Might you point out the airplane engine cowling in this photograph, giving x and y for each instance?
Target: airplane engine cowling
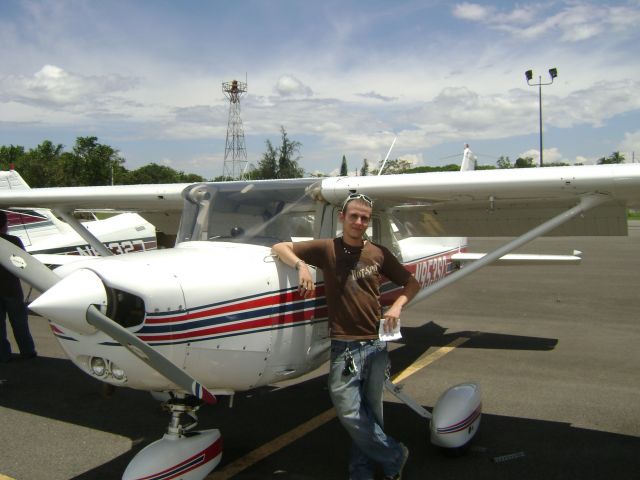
(189, 457)
(66, 303)
(456, 416)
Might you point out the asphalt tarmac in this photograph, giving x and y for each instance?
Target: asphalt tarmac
(554, 349)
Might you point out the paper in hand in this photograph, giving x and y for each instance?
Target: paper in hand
(393, 335)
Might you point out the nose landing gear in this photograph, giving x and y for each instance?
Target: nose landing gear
(182, 452)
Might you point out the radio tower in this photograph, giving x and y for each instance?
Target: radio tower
(235, 151)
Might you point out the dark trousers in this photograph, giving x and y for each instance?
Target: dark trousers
(16, 311)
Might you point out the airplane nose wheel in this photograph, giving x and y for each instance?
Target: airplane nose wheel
(183, 414)
(182, 452)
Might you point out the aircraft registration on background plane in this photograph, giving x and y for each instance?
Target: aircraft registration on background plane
(44, 234)
(217, 314)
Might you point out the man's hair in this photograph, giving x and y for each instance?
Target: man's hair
(3, 218)
(356, 197)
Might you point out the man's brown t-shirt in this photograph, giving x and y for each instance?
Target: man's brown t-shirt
(352, 278)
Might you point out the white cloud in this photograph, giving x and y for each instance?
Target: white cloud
(554, 155)
(414, 159)
(288, 85)
(574, 22)
(376, 96)
(54, 87)
(471, 11)
(585, 160)
(594, 105)
(630, 146)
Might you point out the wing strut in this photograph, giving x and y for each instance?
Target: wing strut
(586, 203)
(89, 237)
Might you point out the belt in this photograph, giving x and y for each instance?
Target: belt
(355, 342)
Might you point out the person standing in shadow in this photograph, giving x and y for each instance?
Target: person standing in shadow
(12, 305)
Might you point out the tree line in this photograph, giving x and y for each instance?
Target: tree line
(88, 163)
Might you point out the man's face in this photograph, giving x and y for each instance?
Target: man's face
(355, 220)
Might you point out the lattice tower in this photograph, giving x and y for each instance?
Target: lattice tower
(235, 151)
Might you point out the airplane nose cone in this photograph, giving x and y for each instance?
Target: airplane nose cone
(66, 303)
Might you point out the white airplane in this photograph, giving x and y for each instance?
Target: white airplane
(44, 234)
(218, 314)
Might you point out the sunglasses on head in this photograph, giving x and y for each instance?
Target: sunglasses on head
(357, 196)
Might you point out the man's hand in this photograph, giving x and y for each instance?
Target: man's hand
(284, 252)
(306, 287)
(391, 317)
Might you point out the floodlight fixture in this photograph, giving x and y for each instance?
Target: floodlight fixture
(553, 73)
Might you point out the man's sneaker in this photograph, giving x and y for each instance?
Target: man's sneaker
(405, 456)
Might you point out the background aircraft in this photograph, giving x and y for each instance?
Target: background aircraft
(43, 233)
(216, 314)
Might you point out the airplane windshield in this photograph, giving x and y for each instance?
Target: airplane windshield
(260, 213)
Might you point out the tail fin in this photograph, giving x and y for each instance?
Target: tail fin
(26, 223)
(468, 160)
(12, 180)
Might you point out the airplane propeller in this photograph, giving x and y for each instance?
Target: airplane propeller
(62, 298)
(26, 267)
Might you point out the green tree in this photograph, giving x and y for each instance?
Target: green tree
(344, 170)
(452, 167)
(11, 155)
(397, 165)
(615, 157)
(504, 162)
(281, 162)
(364, 171)
(40, 167)
(94, 162)
(556, 164)
(288, 160)
(268, 165)
(90, 163)
(526, 162)
(154, 173)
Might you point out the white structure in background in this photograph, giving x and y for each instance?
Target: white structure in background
(468, 159)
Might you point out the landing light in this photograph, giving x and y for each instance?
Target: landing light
(117, 373)
(98, 366)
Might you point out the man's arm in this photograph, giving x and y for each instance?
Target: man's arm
(392, 315)
(284, 252)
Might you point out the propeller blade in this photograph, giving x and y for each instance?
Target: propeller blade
(147, 354)
(26, 267)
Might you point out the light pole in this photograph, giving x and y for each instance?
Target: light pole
(553, 73)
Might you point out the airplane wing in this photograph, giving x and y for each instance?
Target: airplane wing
(504, 202)
(498, 202)
(525, 203)
(161, 204)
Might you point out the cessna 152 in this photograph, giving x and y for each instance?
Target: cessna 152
(42, 233)
(218, 314)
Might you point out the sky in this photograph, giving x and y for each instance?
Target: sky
(341, 77)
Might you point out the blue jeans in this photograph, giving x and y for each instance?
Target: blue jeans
(17, 312)
(357, 398)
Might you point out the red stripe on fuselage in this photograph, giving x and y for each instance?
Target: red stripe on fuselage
(427, 270)
(243, 326)
(271, 300)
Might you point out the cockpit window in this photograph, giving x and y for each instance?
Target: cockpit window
(260, 213)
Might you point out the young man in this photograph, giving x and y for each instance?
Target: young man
(12, 304)
(352, 268)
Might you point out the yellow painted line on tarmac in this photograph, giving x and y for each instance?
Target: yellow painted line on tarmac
(427, 359)
(4, 477)
(291, 436)
(278, 443)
